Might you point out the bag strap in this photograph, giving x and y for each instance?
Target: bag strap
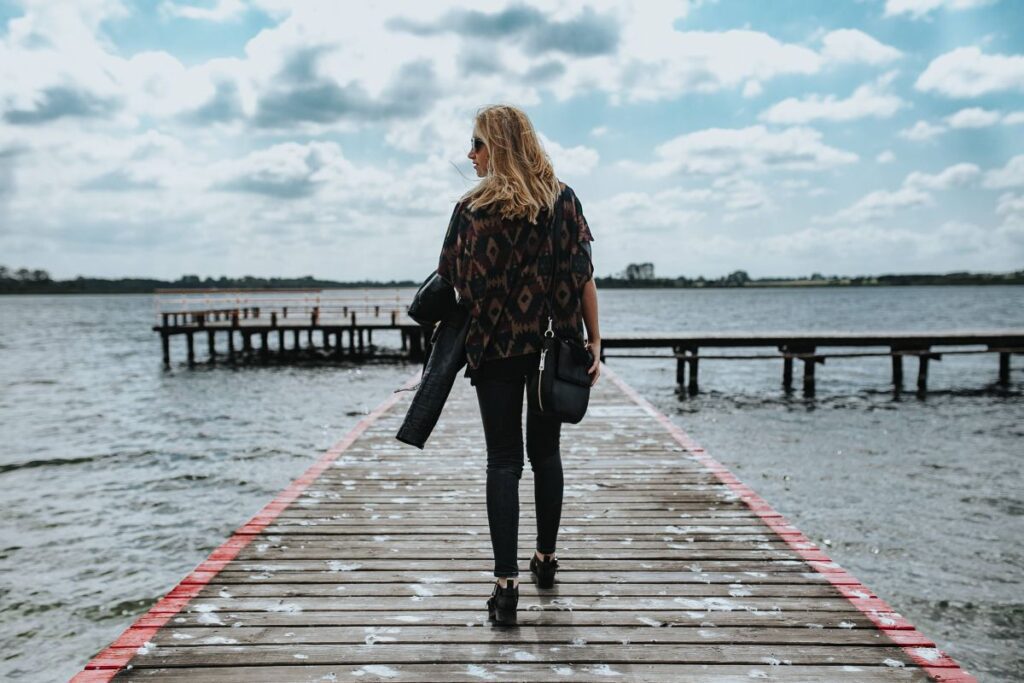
(556, 246)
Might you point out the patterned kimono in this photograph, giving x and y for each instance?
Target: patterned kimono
(502, 269)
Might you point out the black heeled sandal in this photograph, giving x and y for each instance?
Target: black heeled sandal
(544, 572)
(501, 606)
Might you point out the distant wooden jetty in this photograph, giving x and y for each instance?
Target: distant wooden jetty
(339, 325)
(374, 565)
(810, 349)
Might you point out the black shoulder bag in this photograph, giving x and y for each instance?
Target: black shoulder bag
(561, 387)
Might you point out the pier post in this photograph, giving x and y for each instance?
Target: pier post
(191, 350)
(787, 373)
(369, 338)
(210, 346)
(165, 342)
(394, 318)
(922, 373)
(231, 345)
(405, 340)
(1004, 368)
(309, 338)
(263, 345)
(361, 347)
(809, 364)
(295, 339)
(680, 367)
(280, 341)
(416, 345)
(273, 318)
(351, 342)
(691, 385)
(353, 318)
(897, 370)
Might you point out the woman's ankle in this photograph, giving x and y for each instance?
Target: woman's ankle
(503, 581)
(542, 556)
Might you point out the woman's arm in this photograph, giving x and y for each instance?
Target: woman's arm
(589, 302)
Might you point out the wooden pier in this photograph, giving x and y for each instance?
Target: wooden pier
(270, 325)
(807, 348)
(344, 326)
(374, 565)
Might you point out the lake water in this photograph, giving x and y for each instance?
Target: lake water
(117, 477)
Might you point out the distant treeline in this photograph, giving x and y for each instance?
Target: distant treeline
(25, 281)
(740, 278)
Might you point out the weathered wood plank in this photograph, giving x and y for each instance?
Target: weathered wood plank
(520, 671)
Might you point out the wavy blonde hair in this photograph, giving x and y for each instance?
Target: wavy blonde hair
(520, 179)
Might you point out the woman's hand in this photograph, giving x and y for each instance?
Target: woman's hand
(594, 370)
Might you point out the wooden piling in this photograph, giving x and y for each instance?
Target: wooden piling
(263, 345)
(191, 349)
(809, 364)
(231, 345)
(691, 385)
(1004, 368)
(165, 344)
(211, 351)
(787, 373)
(897, 369)
(922, 373)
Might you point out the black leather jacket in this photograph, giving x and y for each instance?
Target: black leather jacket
(446, 357)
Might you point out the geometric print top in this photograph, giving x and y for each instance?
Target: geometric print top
(502, 268)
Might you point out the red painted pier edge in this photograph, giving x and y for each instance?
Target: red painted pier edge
(105, 665)
(922, 651)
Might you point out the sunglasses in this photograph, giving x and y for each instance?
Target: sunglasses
(477, 144)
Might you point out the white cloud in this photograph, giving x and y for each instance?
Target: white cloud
(967, 72)
(1011, 207)
(1013, 118)
(921, 8)
(958, 175)
(752, 149)
(222, 10)
(752, 89)
(913, 193)
(879, 204)
(922, 130)
(851, 46)
(885, 157)
(570, 161)
(599, 131)
(1010, 175)
(656, 62)
(973, 117)
(868, 100)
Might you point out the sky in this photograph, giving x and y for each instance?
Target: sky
(299, 137)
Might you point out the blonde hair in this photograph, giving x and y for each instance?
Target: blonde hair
(520, 179)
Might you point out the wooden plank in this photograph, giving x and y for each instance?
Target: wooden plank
(529, 671)
(375, 565)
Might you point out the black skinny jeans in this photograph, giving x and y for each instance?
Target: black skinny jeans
(501, 409)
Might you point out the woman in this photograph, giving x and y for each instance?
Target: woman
(498, 253)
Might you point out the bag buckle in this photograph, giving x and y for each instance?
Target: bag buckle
(550, 332)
